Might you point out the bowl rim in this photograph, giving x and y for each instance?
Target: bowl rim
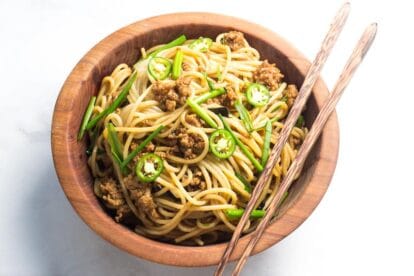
(103, 225)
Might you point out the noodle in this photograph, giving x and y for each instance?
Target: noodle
(187, 202)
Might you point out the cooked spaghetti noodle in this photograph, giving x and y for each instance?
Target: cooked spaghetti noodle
(199, 188)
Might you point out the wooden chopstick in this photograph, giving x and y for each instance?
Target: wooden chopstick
(305, 90)
(354, 61)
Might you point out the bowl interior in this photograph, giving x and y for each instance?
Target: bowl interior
(124, 47)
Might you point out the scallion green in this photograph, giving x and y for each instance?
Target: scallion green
(238, 213)
(141, 146)
(178, 61)
(86, 117)
(266, 142)
(244, 115)
(176, 42)
(117, 102)
(197, 109)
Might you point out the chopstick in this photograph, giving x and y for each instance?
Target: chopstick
(352, 64)
(305, 90)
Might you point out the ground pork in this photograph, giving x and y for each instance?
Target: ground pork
(194, 120)
(123, 213)
(268, 74)
(141, 196)
(111, 192)
(187, 145)
(290, 93)
(235, 40)
(196, 182)
(227, 99)
(171, 94)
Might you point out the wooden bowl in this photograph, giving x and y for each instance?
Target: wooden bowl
(124, 46)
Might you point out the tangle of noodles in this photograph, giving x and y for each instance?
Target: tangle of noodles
(187, 202)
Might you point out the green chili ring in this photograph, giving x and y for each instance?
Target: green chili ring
(149, 167)
(222, 144)
(257, 94)
(159, 68)
(201, 44)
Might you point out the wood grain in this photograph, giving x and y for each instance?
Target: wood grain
(300, 102)
(354, 61)
(123, 46)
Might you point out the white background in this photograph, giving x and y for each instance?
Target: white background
(364, 224)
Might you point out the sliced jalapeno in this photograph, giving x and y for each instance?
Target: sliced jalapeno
(257, 94)
(222, 144)
(201, 44)
(159, 68)
(149, 167)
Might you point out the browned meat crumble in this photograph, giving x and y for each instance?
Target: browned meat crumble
(235, 40)
(268, 74)
(187, 145)
(171, 94)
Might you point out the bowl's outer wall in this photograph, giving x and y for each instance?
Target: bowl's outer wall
(124, 46)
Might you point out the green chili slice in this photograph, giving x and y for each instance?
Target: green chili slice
(86, 117)
(141, 146)
(266, 142)
(159, 68)
(176, 42)
(242, 147)
(222, 144)
(257, 94)
(197, 109)
(209, 95)
(149, 167)
(300, 122)
(247, 185)
(117, 102)
(238, 213)
(201, 44)
(178, 61)
(244, 115)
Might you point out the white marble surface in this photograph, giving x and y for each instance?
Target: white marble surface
(363, 225)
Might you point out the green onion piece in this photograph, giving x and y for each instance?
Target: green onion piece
(117, 102)
(114, 141)
(197, 109)
(209, 95)
(238, 213)
(244, 115)
(176, 42)
(115, 146)
(247, 186)
(210, 83)
(300, 122)
(178, 61)
(266, 142)
(86, 117)
(141, 146)
(242, 147)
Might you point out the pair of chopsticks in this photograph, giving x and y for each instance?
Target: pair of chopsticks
(352, 64)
